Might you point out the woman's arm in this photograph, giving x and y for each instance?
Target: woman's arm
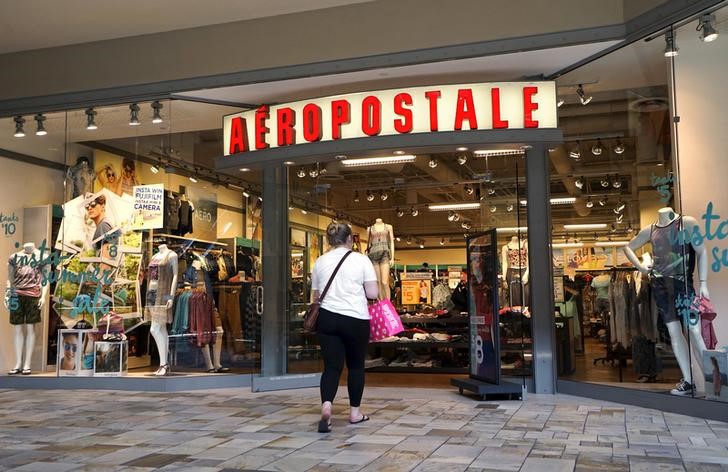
(371, 289)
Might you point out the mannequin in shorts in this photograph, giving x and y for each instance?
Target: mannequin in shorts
(161, 287)
(380, 249)
(672, 270)
(24, 300)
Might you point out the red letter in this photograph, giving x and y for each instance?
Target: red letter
(529, 106)
(495, 103)
(339, 115)
(371, 115)
(286, 122)
(465, 110)
(261, 114)
(432, 96)
(312, 123)
(238, 135)
(405, 124)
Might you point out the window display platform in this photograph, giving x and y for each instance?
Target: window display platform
(141, 381)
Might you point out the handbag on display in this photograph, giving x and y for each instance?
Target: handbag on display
(385, 320)
(310, 319)
(707, 314)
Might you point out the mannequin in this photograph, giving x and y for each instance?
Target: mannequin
(672, 279)
(514, 259)
(162, 285)
(380, 249)
(80, 178)
(24, 299)
(196, 277)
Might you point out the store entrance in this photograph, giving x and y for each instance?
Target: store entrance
(412, 214)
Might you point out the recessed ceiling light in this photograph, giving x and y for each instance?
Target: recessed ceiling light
(245, 169)
(461, 149)
(288, 163)
(398, 153)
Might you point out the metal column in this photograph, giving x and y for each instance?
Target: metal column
(274, 253)
(540, 266)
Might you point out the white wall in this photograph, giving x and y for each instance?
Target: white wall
(701, 103)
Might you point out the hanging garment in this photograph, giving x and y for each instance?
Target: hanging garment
(378, 245)
(440, 296)
(181, 321)
(202, 318)
(517, 289)
(517, 257)
(185, 218)
(171, 212)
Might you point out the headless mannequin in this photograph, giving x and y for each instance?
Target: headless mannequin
(213, 361)
(380, 260)
(519, 266)
(24, 333)
(665, 216)
(159, 327)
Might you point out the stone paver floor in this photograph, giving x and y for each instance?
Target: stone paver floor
(410, 429)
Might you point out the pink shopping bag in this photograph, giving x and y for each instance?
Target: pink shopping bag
(385, 320)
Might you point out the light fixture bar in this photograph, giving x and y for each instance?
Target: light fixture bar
(454, 206)
(378, 161)
(497, 152)
(586, 226)
(556, 201)
(611, 243)
(566, 245)
(514, 229)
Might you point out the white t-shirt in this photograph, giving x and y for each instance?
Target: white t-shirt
(346, 295)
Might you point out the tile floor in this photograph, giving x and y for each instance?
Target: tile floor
(411, 429)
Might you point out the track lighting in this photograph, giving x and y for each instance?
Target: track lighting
(154, 169)
(604, 182)
(422, 245)
(602, 201)
(597, 149)
(589, 203)
(414, 211)
(469, 189)
(620, 218)
(451, 216)
(134, 115)
(705, 24)
(493, 208)
(465, 225)
(630, 229)
(559, 102)
(90, 119)
(383, 195)
(370, 196)
(246, 194)
(462, 159)
(619, 148)
(509, 207)
(456, 217)
(400, 213)
(356, 196)
(613, 228)
(313, 173)
(304, 212)
(620, 207)
(442, 242)
(301, 173)
(40, 129)
(193, 179)
(157, 115)
(575, 153)
(583, 97)
(579, 183)
(617, 182)
(398, 239)
(409, 239)
(491, 191)
(19, 131)
(432, 163)
(670, 44)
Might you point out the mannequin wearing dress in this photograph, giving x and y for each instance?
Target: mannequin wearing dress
(380, 249)
(672, 270)
(514, 260)
(161, 288)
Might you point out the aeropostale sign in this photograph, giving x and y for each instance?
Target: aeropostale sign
(482, 106)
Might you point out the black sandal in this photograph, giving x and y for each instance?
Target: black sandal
(361, 420)
(324, 426)
(14, 372)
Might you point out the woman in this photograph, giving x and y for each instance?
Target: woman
(343, 323)
(70, 346)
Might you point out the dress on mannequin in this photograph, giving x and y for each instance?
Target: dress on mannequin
(514, 259)
(672, 270)
(162, 276)
(199, 280)
(380, 249)
(24, 299)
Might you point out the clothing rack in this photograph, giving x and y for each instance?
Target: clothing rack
(190, 240)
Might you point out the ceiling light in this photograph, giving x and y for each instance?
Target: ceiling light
(709, 34)
(157, 115)
(192, 179)
(630, 229)
(620, 218)
(370, 196)
(19, 131)
(583, 97)
(422, 245)
(562, 200)
(586, 226)
(491, 190)
(613, 228)
(620, 207)
(154, 169)
(301, 173)
(260, 199)
(456, 217)
(509, 207)
(90, 119)
(399, 153)
(513, 229)
(356, 196)
(246, 194)
(462, 159)
(603, 201)
(559, 102)
(589, 203)
(304, 212)
(134, 115)
(383, 195)
(670, 44)
(611, 243)
(40, 129)
(579, 183)
(231, 186)
(290, 208)
(575, 153)
(616, 183)
(378, 161)
(400, 213)
(451, 216)
(493, 208)
(619, 148)
(432, 163)
(245, 169)
(497, 152)
(566, 245)
(398, 239)
(604, 182)
(414, 211)
(442, 242)
(288, 163)
(597, 149)
(461, 149)
(409, 239)
(454, 206)
(313, 173)
(465, 225)
(469, 189)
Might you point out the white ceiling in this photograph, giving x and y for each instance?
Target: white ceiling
(34, 24)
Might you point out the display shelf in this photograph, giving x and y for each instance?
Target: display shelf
(433, 370)
(422, 343)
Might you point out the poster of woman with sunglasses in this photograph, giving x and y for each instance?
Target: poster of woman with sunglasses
(119, 183)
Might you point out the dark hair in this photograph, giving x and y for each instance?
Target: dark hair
(128, 163)
(101, 200)
(338, 232)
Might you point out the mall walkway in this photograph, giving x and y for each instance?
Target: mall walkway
(410, 429)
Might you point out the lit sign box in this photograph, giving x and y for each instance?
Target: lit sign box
(485, 106)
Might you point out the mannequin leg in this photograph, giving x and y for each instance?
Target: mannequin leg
(206, 355)
(383, 277)
(19, 339)
(159, 333)
(217, 348)
(680, 349)
(378, 272)
(29, 345)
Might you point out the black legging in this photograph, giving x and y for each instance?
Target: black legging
(342, 337)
